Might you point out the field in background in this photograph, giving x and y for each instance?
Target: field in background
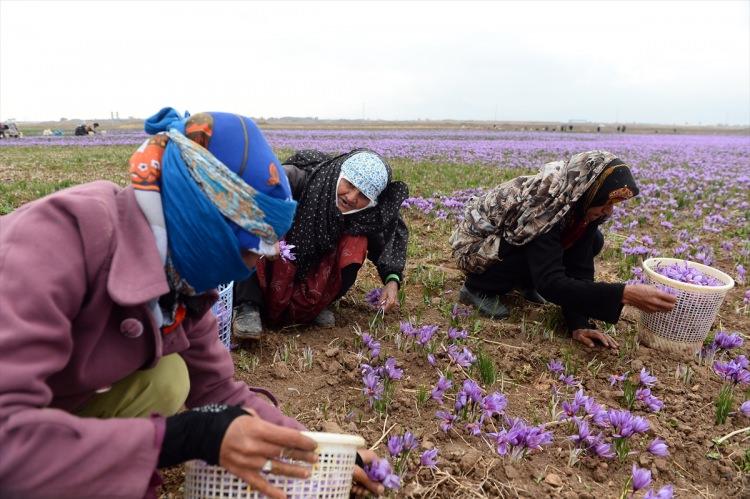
(694, 204)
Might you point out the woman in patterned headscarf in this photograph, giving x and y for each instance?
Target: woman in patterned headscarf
(105, 329)
(348, 210)
(540, 234)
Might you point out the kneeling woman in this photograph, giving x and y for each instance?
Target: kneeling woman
(348, 210)
(539, 234)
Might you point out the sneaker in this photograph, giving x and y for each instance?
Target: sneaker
(487, 305)
(533, 296)
(325, 319)
(247, 324)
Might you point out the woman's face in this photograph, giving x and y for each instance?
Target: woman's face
(598, 212)
(349, 198)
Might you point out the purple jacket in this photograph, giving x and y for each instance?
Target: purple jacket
(76, 270)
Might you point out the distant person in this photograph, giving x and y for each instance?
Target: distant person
(545, 247)
(349, 209)
(86, 129)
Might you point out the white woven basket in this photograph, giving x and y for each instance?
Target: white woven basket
(684, 328)
(331, 476)
(222, 309)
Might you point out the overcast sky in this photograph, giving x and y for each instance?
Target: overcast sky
(631, 61)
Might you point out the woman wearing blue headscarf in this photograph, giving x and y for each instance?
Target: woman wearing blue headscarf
(105, 333)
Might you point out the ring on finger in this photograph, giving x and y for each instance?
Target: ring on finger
(267, 466)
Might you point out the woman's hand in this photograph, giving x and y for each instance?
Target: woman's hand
(250, 442)
(362, 485)
(648, 298)
(389, 298)
(590, 337)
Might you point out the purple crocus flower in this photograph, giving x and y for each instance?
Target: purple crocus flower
(646, 379)
(457, 334)
(641, 478)
(555, 366)
(372, 344)
(745, 408)
(666, 492)
(448, 420)
(604, 450)
(727, 341)
(373, 388)
(410, 441)
(474, 428)
(568, 380)
(380, 471)
(440, 388)
(428, 458)
(285, 251)
(617, 378)
(463, 358)
(425, 334)
(431, 359)
(373, 297)
(407, 329)
(459, 312)
(658, 447)
(493, 404)
(733, 371)
(391, 369)
(395, 445)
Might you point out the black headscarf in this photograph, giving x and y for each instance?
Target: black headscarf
(318, 223)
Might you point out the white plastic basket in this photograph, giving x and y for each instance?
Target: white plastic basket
(684, 328)
(222, 309)
(331, 476)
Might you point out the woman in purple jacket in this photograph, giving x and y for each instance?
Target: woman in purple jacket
(104, 330)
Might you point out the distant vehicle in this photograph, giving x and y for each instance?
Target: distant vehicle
(9, 130)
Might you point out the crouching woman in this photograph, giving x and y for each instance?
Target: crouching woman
(349, 210)
(539, 234)
(105, 329)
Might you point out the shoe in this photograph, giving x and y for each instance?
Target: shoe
(325, 319)
(247, 324)
(533, 296)
(487, 305)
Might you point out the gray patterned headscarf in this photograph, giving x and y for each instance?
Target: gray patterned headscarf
(523, 208)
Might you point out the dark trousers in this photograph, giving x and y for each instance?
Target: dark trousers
(248, 291)
(513, 272)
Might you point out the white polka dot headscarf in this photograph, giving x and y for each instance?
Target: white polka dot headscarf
(367, 172)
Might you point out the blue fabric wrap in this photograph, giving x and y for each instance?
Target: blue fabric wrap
(239, 144)
(202, 244)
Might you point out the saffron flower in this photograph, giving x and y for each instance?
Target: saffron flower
(380, 471)
(285, 251)
(666, 492)
(428, 458)
(555, 366)
(457, 334)
(448, 420)
(391, 370)
(373, 297)
(658, 447)
(641, 478)
(646, 379)
(617, 378)
(727, 341)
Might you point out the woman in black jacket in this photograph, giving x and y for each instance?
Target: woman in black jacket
(540, 234)
(348, 210)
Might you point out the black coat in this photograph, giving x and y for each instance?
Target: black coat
(563, 276)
